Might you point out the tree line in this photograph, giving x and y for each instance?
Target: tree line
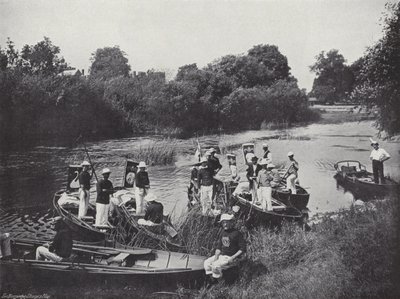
(373, 79)
(39, 105)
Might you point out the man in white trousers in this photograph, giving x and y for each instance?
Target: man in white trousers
(104, 189)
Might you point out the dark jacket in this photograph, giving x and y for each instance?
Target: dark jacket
(142, 179)
(62, 243)
(104, 196)
(154, 212)
(84, 179)
(205, 176)
(231, 241)
(214, 165)
(251, 173)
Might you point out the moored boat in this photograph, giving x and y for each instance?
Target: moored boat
(127, 266)
(353, 175)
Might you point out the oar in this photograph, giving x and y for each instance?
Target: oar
(90, 161)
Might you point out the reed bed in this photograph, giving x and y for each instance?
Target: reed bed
(161, 152)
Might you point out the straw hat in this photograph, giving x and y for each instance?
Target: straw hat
(212, 150)
(85, 163)
(142, 164)
(289, 154)
(151, 197)
(264, 145)
(106, 170)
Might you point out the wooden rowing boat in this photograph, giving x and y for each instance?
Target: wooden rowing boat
(353, 176)
(127, 266)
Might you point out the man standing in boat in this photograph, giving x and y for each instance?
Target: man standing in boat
(230, 247)
(213, 162)
(292, 173)
(267, 154)
(61, 247)
(142, 187)
(104, 189)
(266, 179)
(252, 173)
(378, 156)
(84, 184)
(205, 179)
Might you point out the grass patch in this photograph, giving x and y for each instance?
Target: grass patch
(161, 152)
(352, 255)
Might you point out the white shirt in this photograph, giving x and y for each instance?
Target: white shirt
(379, 154)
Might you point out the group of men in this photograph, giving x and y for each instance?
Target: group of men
(263, 176)
(104, 188)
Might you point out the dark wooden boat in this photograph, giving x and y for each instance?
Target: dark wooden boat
(352, 175)
(256, 216)
(123, 266)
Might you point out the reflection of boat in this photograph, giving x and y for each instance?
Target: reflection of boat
(115, 266)
(352, 175)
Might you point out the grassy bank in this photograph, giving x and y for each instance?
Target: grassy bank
(352, 256)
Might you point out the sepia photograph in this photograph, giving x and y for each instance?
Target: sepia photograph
(178, 149)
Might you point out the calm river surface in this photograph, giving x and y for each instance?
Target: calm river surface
(28, 179)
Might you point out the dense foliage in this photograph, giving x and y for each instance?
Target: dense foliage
(40, 104)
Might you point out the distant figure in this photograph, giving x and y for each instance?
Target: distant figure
(378, 156)
(205, 180)
(104, 189)
(267, 154)
(154, 211)
(142, 187)
(84, 184)
(213, 162)
(5, 247)
(61, 247)
(265, 180)
(252, 173)
(292, 173)
(230, 247)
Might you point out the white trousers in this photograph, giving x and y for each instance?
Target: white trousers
(291, 183)
(101, 214)
(206, 198)
(43, 253)
(84, 197)
(266, 198)
(140, 194)
(216, 267)
(5, 247)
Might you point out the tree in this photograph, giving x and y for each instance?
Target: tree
(41, 58)
(333, 78)
(379, 78)
(109, 62)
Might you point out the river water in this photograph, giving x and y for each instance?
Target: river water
(28, 179)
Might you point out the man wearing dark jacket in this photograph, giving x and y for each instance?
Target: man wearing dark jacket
(252, 173)
(61, 247)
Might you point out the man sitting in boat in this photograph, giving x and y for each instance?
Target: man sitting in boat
(251, 174)
(378, 156)
(5, 247)
(104, 189)
(61, 247)
(154, 212)
(292, 173)
(267, 154)
(205, 179)
(142, 187)
(230, 247)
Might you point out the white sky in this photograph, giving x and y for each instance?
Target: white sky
(165, 35)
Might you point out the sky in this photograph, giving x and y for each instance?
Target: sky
(164, 35)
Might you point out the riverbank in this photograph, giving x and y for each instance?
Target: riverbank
(354, 255)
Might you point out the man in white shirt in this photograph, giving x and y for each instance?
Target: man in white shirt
(378, 156)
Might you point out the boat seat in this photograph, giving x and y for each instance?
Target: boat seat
(88, 219)
(118, 259)
(349, 169)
